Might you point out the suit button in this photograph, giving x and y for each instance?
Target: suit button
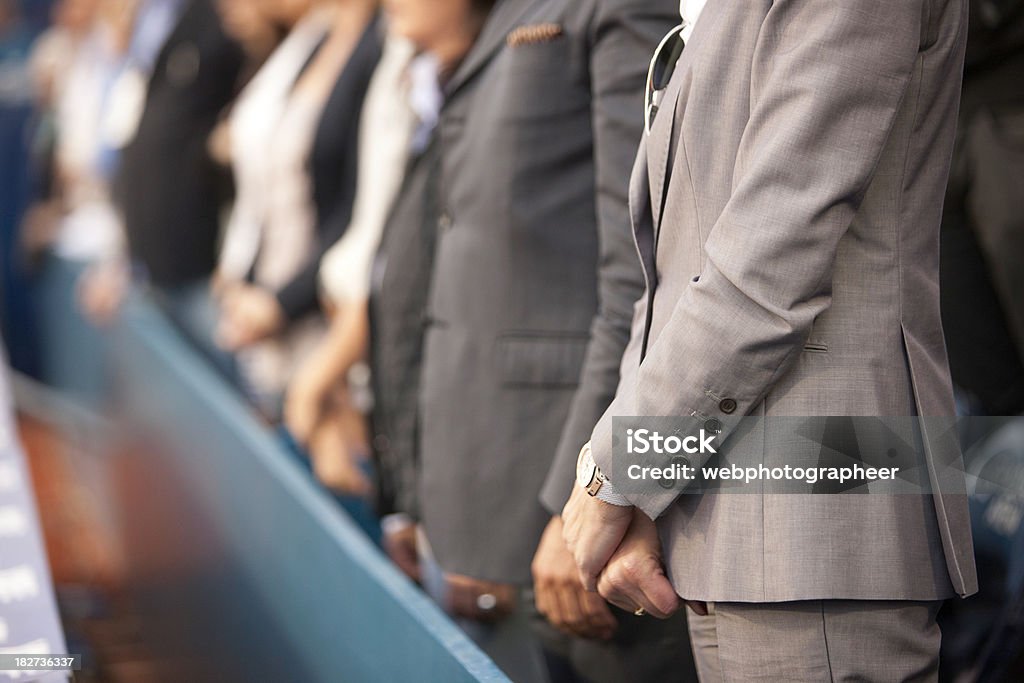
(677, 461)
(727, 406)
(713, 426)
(444, 222)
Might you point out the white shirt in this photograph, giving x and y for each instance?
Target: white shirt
(91, 229)
(253, 123)
(386, 130)
(689, 11)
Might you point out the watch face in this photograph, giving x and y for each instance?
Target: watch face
(585, 475)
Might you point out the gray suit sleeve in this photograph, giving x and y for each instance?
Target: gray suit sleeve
(623, 35)
(828, 80)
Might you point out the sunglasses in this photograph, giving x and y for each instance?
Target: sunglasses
(663, 64)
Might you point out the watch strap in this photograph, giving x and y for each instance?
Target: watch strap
(608, 494)
(600, 486)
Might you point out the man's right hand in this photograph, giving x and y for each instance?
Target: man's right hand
(559, 592)
(400, 545)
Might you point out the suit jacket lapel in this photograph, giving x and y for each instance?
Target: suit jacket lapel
(503, 18)
(639, 192)
(640, 214)
(659, 142)
(643, 230)
(659, 147)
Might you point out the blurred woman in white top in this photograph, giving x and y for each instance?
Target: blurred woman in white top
(290, 154)
(323, 410)
(74, 66)
(320, 410)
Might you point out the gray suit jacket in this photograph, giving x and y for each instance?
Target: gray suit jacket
(787, 211)
(537, 137)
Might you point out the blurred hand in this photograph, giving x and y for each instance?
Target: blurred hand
(335, 452)
(39, 227)
(248, 314)
(220, 283)
(635, 576)
(219, 144)
(305, 399)
(400, 545)
(560, 595)
(592, 530)
(468, 598)
(101, 291)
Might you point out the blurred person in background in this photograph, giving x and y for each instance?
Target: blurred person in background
(259, 28)
(53, 55)
(76, 64)
(395, 197)
(537, 138)
(181, 71)
(294, 140)
(244, 138)
(982, 266)
(323, 411)
(75, 224)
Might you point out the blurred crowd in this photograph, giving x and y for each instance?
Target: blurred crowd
(392, 227)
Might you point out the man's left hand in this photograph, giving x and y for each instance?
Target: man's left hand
(593, 530)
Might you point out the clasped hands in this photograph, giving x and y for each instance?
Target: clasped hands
(594, 553)
(618, 554)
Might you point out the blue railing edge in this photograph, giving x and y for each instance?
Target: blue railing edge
(142, 318)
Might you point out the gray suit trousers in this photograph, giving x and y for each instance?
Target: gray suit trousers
(817, 640)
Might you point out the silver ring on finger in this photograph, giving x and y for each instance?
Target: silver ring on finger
(486, 602)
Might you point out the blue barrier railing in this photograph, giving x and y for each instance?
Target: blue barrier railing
(332, 600)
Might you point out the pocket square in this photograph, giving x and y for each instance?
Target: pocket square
(533, 33)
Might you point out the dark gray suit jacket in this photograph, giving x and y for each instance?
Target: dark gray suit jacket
(537, 140)
(398, 295)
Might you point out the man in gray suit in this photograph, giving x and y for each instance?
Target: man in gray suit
(786, 204)
(536, 137)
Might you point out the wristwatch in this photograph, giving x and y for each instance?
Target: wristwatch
(591, 479)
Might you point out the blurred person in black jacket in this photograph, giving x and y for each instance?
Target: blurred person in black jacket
(982, 266)
(183, 71)
(982, 280)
